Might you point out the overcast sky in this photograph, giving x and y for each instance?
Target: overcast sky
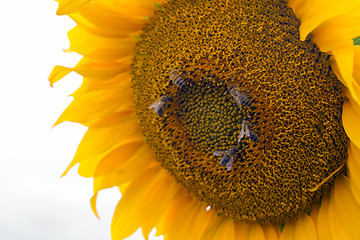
(35, 203)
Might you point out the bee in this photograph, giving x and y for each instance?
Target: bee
(228, 157)
(176, 78)
(159, 104)
(246, 131)
(240, 98)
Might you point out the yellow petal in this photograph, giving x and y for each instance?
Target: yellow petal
(289, 231)
(347, 207)
(89, 27)
(58, 73)
(98, 141)
(121, 81)
(356, 73)
(242, 230)
(156, 202)
(101, 102)
(344, 57)
(312, 13)
(100, 48)
(337, 31)
(118, 156)
(93, 205)
(301, 229)
(201, 219)
(102, 70)
(315, 214)
(70, 6)
(95, 70)
(256, 232)
(354, 170)
(221, 228)
(180, 202)
(305, 228)
(210, 231)
(82, 90)
(114, 118)
(337, 229)
(109, 21)
(88, 166)
(123, 187)
(355, 191)
(140, 202)
(126, 218)
(122, 171)
(131, 8)
(323, 227)
(271, 232)
(351, 119)
(189, 222)
(226, 230)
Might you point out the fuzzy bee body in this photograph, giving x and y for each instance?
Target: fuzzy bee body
(159, 104)
(246, 131)
(225, 160)
(228, 157)
(176, 79)
(253, 137)
(239, 97)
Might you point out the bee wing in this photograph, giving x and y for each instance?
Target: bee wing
(242, 133)
(255, 137)
(238, 102)
(229, 164)
(220, 152)
(156, 105)
(247, 131)
(244, 94)
(234, 92)
(236, 95)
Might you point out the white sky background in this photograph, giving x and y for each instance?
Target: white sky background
(35, 203)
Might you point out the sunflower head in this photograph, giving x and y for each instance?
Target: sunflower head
(280, 118)
(242, 111)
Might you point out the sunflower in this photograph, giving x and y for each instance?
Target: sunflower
(220, 119)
